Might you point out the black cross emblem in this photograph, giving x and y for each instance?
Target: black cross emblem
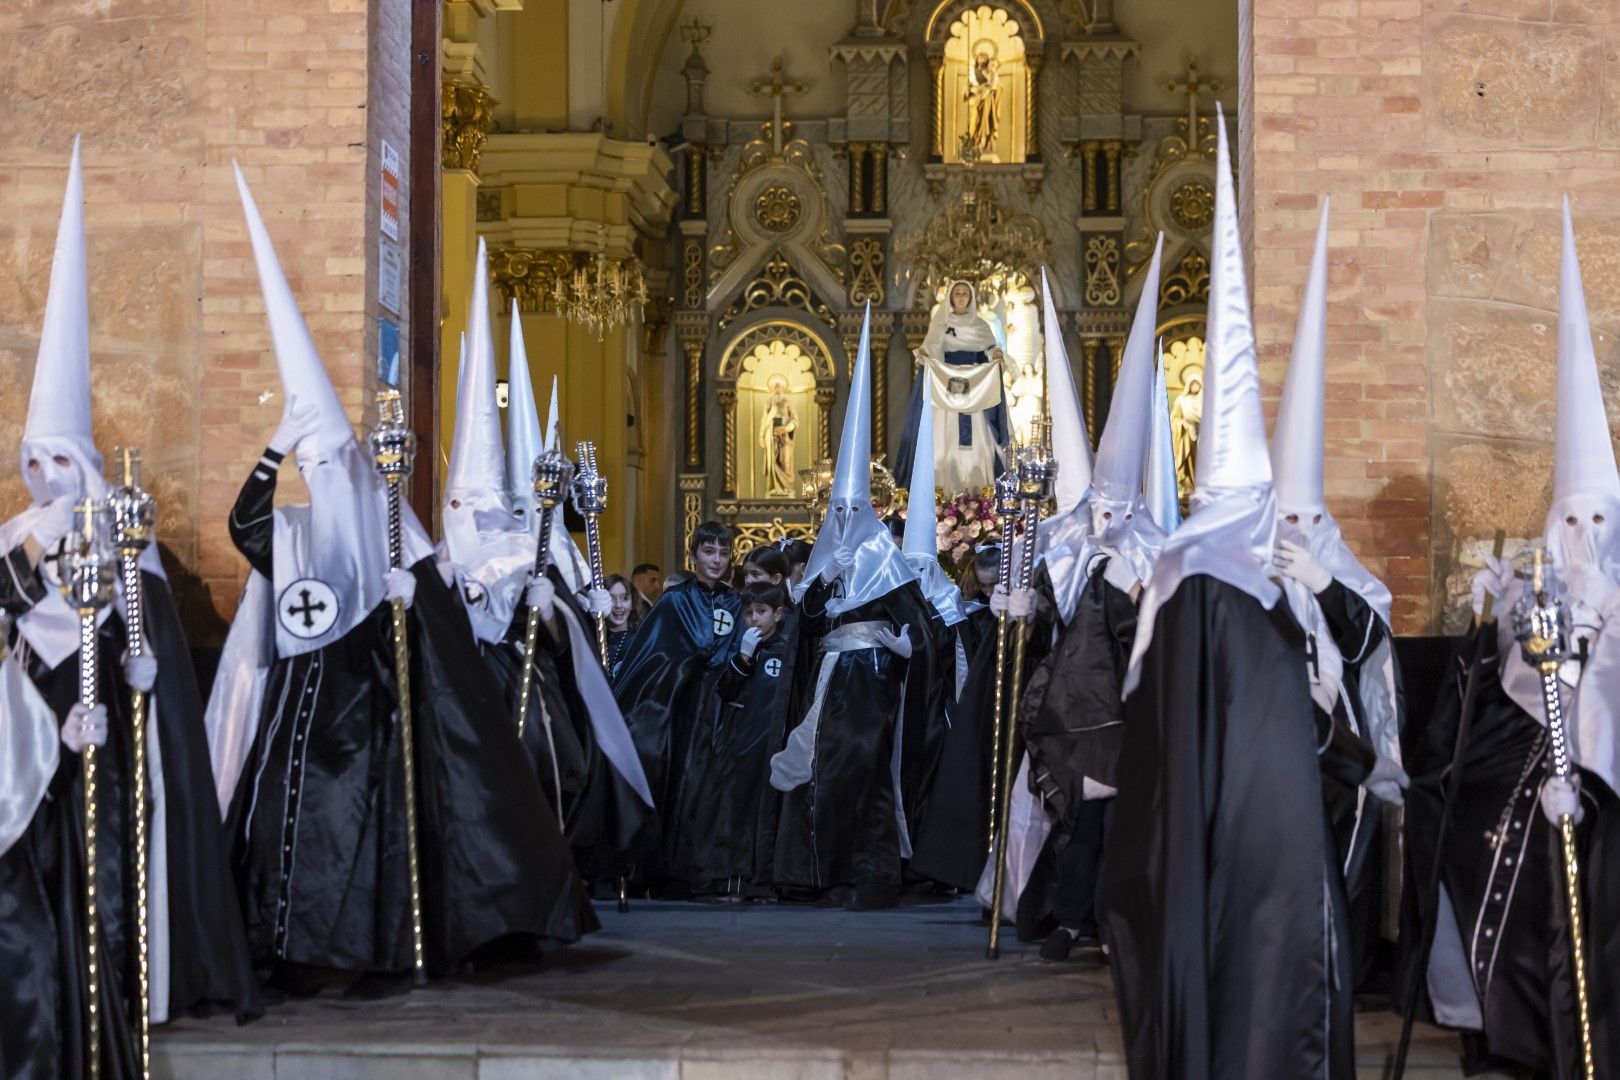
(54, 559)
(723, 622)
(1311, 658)
(773, 667)
(307, 611)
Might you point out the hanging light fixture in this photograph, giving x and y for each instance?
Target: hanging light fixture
(602, 293)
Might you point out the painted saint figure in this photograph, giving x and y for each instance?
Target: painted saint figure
(983, 96)
(1185, 418)
(776, 433)
(961, 370)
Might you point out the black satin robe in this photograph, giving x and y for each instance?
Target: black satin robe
(840, 829)
(730, 810)
(1220, 895)
(665, 686)
(928, 717)
(604, 819)
(950, 842)
(42, 982)
(320, 815)
(1508, 898)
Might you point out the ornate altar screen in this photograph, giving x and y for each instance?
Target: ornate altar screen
(777, 420)
(986, 88)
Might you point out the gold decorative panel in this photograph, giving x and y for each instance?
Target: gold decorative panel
(1102, 271)
(467, 113)
(866, 264)
(777, 208)
(778, 285)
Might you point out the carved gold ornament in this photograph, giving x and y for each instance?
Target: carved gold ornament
(866, 265)
(778, 285)
(1192, 204)
(529, 277)
(777, 209)
(1187, 283)
(1102, 271)
(467, 113)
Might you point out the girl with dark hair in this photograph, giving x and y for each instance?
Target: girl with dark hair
(621, 618)
(766, 565)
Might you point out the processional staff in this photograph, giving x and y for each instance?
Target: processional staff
(88, 586)
(134, 515)
(393, 445)
(590, 499)
(1541, 622)
(1037, 469)
(1007, 510)
(549, 475)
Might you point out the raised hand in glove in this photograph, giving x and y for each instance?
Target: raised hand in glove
(1388, 781)
(1021, 603)
(55, 521)
(750, 642)
(141, 671)
(84, 727)
(1495, 579)
(1560, 797)
(542, 597)
(899, 644)
(1292, 560)
(400, 585)
(300, 420)
(598, 602)
(842, 560)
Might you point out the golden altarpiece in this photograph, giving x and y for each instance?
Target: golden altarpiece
(979, 140)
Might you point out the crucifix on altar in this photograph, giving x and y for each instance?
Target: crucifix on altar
(1192, 87)
(776, 87)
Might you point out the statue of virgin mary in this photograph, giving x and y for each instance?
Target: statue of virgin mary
(959, 367)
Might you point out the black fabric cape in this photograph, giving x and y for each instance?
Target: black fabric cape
(949, 844)
(42, 981)
(730, 810)
(1218, 897)
(927, 711)
(1511, 915)
(665, 687)
(839, 829)
(319, 811)
(604, 820)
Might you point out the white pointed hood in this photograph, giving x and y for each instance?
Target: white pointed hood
(1232, 529)
(524, 441)
(488, 548)
(1160, 490)
(59, 426)
(851, 524)
(1112, 519)
(338, 541)
(920, 544)
(1071, 442)
(1585, 551)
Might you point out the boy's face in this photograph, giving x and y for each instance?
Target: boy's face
(763, 617)
(710, 561)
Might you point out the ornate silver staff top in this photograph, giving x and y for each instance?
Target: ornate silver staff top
(1541, 623)
(550, 476)
(134, 520)
(1007, 508)
(1037, 472)
(92, 564)
(393, 448)
(590, 499)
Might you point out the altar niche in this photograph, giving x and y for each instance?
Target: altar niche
(776, 422)
(985, 88)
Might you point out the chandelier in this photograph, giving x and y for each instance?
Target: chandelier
(976, 240)
(815, 488)
(601, 293)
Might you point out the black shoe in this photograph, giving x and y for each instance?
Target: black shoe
(1058, 944)
(872, 898)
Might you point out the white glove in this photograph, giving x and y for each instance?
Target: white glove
(750, 642)
(1387, 781)
(1560, 797)
(1021, 603)
(998, 601)
(84, 727)
(542, 597)
(55, 521)
(140, 672)
(899, 644)
(1496, 579)
(297, 422)
(842, 560)
(1293, 561)
(598, 602)
(400, 585)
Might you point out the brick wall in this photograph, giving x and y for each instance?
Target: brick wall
(1445, 132)
(166, 93)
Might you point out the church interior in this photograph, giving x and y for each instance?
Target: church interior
(694, 215)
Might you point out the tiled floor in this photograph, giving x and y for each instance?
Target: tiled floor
(698, 992)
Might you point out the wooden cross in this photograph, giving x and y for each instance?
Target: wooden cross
(1192, 87)
(776, 88)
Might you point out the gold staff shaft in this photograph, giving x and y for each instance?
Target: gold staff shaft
(1577, 940)
(92, 906)
(1004, 811)
(137, 713)
(995, 734)
(402, 676)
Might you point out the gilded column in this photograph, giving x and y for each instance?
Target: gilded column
(1111, 150)
(880, 394)
(857, 178)
(938, 139)
(1088, 176)
(1088, 353)
(727, 400)
(880, 178)
(824, 407)
(694, 180)
(1032, 67)
(693, 346)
